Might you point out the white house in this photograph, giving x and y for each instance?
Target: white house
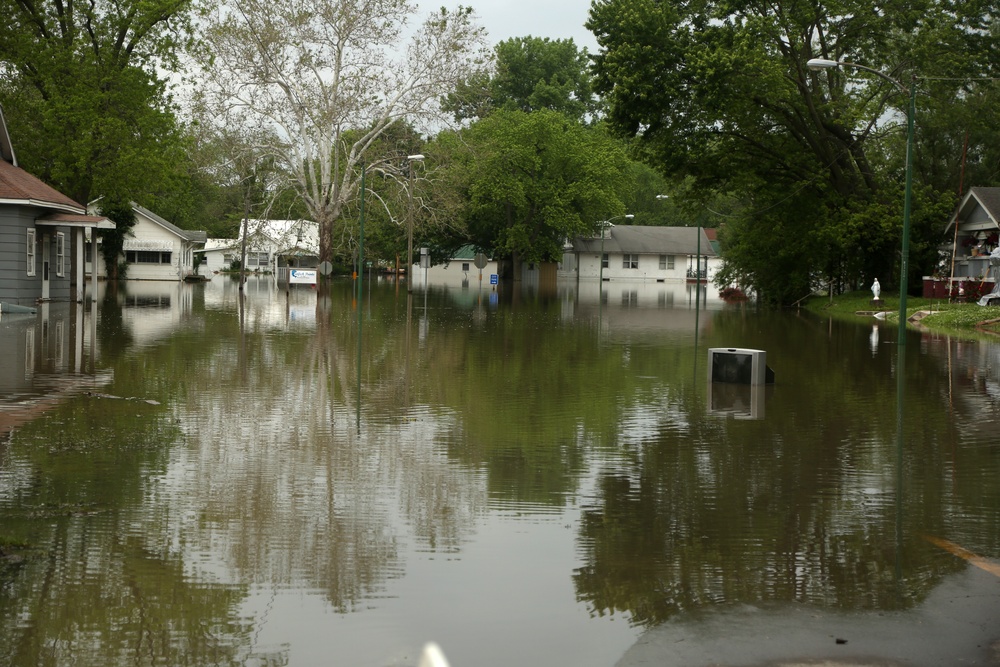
(459, 269)
(156, 249)
(637, 252)
(271, 244)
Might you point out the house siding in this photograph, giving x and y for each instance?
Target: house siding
(149, 238)
(16, 286)
(644, 247)
(968, 251)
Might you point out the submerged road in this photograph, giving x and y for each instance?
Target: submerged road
(957, 625)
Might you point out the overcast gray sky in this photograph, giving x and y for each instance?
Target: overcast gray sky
(556, 19)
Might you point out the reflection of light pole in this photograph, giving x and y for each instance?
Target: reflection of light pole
(821, 63)
(604, 225)
(409, 223)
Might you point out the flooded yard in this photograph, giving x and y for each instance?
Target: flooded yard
(527, 477)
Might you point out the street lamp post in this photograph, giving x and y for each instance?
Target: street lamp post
(821, 63)
(604, 225)
(409, 220)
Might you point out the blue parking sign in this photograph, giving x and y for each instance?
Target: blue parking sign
(494, 279)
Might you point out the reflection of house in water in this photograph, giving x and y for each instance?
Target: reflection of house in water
(48, 357)
(266, 304)
(631, 307)
(153, 309)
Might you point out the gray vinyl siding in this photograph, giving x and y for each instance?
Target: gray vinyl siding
(58, 285)
(16, 286)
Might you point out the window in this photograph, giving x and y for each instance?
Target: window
(60, 254)
(31, 252)
(666, 262)
(630, 261)
(148, 257)
(257, 259)
(465, 266)
(604, 261)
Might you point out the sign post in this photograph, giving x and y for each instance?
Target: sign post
(480, 261)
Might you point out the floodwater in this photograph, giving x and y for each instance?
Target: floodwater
(529, 478)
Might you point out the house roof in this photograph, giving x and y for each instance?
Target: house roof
(646, 240)
(282, 237)
(186, 234)
(75, 220)
(466, 252)
(979, 197)
(218, 244)
(19, 187)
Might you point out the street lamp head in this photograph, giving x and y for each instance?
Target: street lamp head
(822, 63)
(629, 216)
(663, 196)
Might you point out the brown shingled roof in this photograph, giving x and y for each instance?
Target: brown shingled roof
(20, 187)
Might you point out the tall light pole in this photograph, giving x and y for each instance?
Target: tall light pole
(604, 225)
(821, 63)
(410, 159)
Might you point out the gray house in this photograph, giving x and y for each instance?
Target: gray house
(41, 236)
(637, 252)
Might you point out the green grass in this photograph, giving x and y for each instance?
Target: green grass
(945, 317)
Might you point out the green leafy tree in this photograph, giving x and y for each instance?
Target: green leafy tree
(533, 180)
(85, 91)
(531, 73)
(720, 93)
(113, 240)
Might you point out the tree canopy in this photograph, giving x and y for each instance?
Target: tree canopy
(720, 93)
(528, 74)
(328, 80)
(84, 89)
(532, 180)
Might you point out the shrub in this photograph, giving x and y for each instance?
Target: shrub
(732, 294)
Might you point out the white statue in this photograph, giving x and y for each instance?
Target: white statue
(876, 289)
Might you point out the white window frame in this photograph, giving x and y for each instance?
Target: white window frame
(31, 251)
(666, 262)
(60, 254)
(256, 258)
(630, 261)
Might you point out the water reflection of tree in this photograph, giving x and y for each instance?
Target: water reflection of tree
(90, 587)
(278, 485)
(113, 333)
(802, 506)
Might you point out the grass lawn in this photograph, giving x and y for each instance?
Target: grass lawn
(945, 317)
